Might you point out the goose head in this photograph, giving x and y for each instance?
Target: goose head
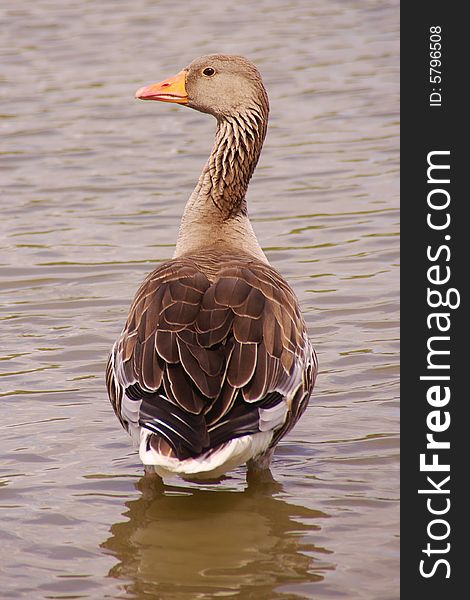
(222, 85)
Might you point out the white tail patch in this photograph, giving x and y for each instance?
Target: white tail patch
(210, 465)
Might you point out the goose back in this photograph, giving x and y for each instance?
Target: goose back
(212, 345)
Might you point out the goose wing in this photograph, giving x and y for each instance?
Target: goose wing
(203, 360)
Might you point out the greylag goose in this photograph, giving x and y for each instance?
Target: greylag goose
(214, 365)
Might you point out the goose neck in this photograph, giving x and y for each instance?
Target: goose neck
(217, 206)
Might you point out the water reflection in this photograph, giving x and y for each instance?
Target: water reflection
(194, 543)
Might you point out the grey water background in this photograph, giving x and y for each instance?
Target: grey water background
(93, 184)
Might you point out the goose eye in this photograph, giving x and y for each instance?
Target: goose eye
(208, 71)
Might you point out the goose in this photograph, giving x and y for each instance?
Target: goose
(214, 365)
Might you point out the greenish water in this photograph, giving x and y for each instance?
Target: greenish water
(93, 186)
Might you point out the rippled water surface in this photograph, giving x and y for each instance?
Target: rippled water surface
(93, 186)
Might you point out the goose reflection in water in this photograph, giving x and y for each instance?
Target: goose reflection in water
(182, 542)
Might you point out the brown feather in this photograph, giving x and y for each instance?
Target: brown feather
(178, 316)
(209, 386)
(223, 404)
(247, 330)
(184, 392)
(165, 345)
(152, 371)
(211, 361)
(216, 336)
(272, 335)
(231, 291)
(242, 365)
(252, 306)
(254, 390)
(211, 318)
(128, 346)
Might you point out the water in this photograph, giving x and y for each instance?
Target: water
(93, 186)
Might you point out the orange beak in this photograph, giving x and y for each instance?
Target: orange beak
(172, 89)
